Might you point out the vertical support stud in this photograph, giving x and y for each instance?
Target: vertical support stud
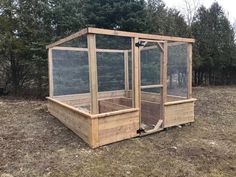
(126, 69)
(93, 72)
(50, 73)
(189, 70)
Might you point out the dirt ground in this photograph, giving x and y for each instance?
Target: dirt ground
(33, 143)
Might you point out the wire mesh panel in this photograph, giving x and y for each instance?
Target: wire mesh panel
(80, 42)
(150, 64)
(177, 69)
(150, 61)
(110, 70)
(70, 72)
(113, 42)
(130, 69)
(110, 61)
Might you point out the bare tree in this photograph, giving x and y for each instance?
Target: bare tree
(191, 7)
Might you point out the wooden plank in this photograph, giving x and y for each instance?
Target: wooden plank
(177, 114)
(118, 127)
(69, 107)
(78, 123)
(151, 86)
(94, 139)
(164, 71)
(180, 102)
(69, 38)
(136, 74)
(189, 70)
(108, 106)
(164, 80)
(120, 112)
(138, 35)
(50, 73)
(93, 72)
(126, 69)
(105, 94)
(86, 49)
(70, 49)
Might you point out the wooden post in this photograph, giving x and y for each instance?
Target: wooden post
(93, 72)
(164, 81)
(136, 86)
(50, 73)
(189, 70)
(164, 71)
(136, 74)
(126, 69)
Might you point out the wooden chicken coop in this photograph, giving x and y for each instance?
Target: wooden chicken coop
(110, 85)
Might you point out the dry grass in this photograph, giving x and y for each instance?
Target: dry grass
(33, 143)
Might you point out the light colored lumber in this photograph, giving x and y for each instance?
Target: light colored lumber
(177, 114)
(180, 102)
(73, 119)
(69, 107)
(118, 127)
(136, 74)
(161, 47)
(50, 73)
(138, 35)
(69, 38)
(86, 49)
(120, 112)
(164, 71)
(126, 69)
(93, 72)
(189, 70)
(94, 139)
(151, 86)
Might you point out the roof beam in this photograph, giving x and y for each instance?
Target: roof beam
(69, 38)
(139, 35)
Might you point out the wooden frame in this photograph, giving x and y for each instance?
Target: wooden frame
(100, 118)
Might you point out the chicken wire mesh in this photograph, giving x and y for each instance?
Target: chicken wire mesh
(150, 57)
(70, 72)
(110, 71)
(110, 63)
(177, 70)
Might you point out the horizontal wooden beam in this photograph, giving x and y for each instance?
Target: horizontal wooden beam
(151, 86)
(69, 38)
(86, 49)
(180, 102)
(70, 107)
(138, 35)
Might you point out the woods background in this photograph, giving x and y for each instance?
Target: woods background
(27, 26)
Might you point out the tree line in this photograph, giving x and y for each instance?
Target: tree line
(26, 27)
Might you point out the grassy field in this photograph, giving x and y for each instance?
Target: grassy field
(33, 143)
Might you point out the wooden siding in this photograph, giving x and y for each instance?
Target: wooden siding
(180, 113)
(118, 127)
(78, 123)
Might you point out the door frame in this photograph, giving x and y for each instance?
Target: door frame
(162, 45)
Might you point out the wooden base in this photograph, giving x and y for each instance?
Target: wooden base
(117, 120)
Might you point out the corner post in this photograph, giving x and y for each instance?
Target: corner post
(93, 72)
(50, 72)
(189, 70)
